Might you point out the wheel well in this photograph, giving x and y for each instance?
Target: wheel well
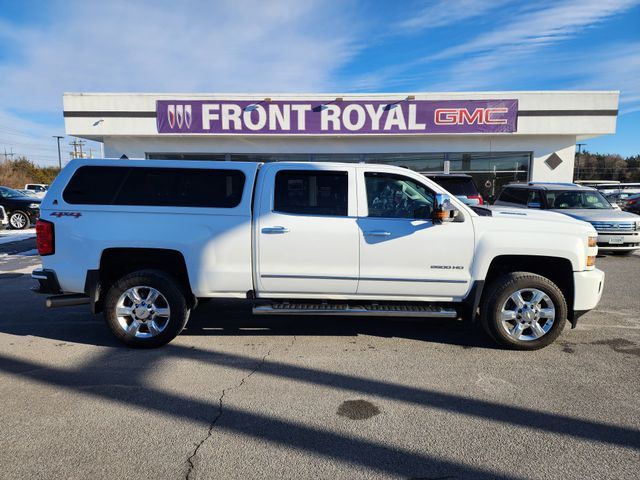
(558, 270)
(117, 262)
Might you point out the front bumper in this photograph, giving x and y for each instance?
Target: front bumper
(630, 241)
(47, 281)
(588, 286)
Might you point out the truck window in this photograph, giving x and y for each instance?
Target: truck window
(514, 195)
(182, 187)
(148, 186)
(94, 185)
(311, 192)
(395, 196)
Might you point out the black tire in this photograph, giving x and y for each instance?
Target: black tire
(497, 294)
(20, 218)
(174, 297)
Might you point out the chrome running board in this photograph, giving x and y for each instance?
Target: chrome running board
(373, 310)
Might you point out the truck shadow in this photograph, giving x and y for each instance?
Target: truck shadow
(22, 312)
(95, 377)
(235, 318)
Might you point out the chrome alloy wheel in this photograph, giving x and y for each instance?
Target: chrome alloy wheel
(142, 312)
(527, 314)
(18, 220)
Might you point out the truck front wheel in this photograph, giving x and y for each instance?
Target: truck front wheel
(146, 309)
(523, 311)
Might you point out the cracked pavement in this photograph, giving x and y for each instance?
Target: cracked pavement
(192, 459)
(237, 396)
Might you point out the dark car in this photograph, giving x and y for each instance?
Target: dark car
(458, 184)
(22, 210)
(632, 204)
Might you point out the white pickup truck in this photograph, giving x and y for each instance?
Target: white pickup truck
(145, 240)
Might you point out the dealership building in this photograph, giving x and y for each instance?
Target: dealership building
(497, 137)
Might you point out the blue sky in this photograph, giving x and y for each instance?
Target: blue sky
(47, 48)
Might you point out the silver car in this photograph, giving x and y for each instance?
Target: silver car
(617, 231)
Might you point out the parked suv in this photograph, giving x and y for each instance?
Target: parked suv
(143, 240)
(23, 210)
(459, 184)
(617, 231)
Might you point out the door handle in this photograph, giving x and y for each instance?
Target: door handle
(275, 230)
(377, 233)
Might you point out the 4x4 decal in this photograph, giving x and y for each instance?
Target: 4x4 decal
(66, 214)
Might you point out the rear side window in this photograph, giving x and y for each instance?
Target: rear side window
(311, 192)
(167, 187)
(94, 185)
(514, 195)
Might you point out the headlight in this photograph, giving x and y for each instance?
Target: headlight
(593, 241)
(34, 205)
(638, 225)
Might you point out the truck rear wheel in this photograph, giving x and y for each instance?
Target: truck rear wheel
(523, 311)
(146, 309)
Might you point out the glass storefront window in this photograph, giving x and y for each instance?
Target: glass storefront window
(490, 170)
(338, 157)
(257, 157)
(488, 162)
(420, 162)
(185, 156)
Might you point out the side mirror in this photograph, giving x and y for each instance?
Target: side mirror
(444, 211)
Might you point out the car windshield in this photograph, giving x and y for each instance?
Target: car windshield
(10, 193)
(577, 199)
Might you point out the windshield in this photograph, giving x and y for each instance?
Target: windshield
(577, 199)
(10, 193)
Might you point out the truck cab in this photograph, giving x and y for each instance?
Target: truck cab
(145, 240)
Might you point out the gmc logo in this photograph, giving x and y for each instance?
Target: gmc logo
(461, 116)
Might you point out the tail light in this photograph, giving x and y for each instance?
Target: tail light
(476, 197)
(45, 238)
(631, 202)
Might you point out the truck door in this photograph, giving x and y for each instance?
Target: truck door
(306, 235)
(402, 251)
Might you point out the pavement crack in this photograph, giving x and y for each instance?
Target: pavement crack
(191, 460)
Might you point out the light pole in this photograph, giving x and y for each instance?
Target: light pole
(58, 137)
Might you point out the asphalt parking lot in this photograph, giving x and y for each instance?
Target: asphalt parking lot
(242, 397)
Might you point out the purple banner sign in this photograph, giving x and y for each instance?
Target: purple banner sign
(315, 117)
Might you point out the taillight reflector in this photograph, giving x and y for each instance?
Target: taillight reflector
(476, 197)
(45, 238)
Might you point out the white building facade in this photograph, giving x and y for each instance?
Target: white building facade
(497, 137)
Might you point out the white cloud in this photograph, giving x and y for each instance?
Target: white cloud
(620, 72)
(541, 27)
(447, 12)
(514, 51)
(161, 45)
